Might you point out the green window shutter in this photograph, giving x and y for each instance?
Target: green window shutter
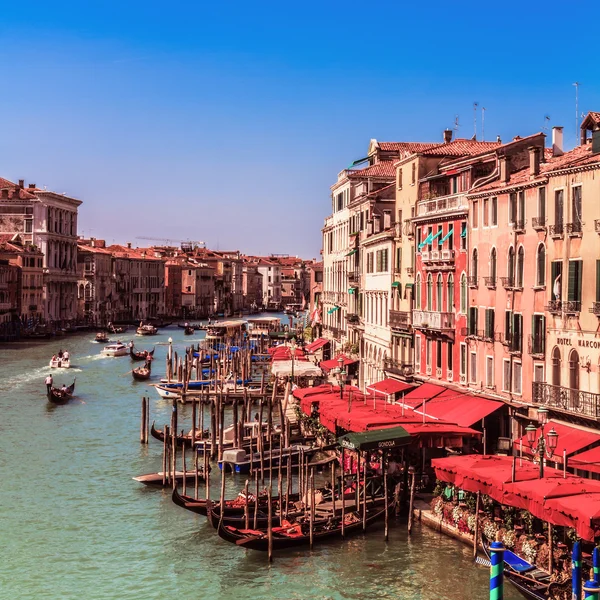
(507, 325)
(575, 272)
(542, 334)
(598, 281)
(492, 323)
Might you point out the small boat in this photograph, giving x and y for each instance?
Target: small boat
(189, 330)
(116, 349)
(156, 479)
(297, 533)
(60, 396)
(142, 355)
(143, 373)
(60, 362)
(101, 337)
(117, 328)
(146, 330)
(240, 461)
(532, 583)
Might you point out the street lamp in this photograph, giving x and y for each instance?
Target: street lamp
(545, 446)
(341, 373)
(293, 353)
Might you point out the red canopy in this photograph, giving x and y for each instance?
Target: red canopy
(587, 461)
(327, 365)
(426, 391)
(285, 353)
(390, 386)
(583, 510)
(460, 408)
(316, 345)
(572, 439)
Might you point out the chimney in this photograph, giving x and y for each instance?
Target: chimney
(557, 141)
(534, 161)
(504, 169)
(5, 193)
(447, 136)
(32, 186)
(21, 183)
(498, 139)
(129, 245)
(93, 242)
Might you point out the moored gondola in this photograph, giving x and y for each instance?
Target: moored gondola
(189, 330)
(156, 479)
(60, 396)
(143, 373)
(142, 355)
(290, 535)
(531, 582)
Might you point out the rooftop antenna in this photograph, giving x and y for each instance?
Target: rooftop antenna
(546, 123)
(456, 123)
(475, 105)
(483, 123)
(576, 84)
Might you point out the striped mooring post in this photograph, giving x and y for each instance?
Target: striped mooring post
(576, 572)
(591, 588)
(497, 571)
(596, 563)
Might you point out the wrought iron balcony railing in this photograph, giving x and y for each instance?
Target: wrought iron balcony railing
(353, 318)
(597, 225)
(400, 319)
(574, 229)
(554, 307)
(538, 223)
(508, 283)
(595, 310)
(536, 345)
(473, 281)
(557, 230)
(567, 399)
(571, 307)
(519, 225)
(490, 282)
(397, 367)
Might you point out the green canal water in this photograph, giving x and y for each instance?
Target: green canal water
(74, 524)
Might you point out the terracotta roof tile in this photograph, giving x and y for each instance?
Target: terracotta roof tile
(384, 168)
(461, 147)
(410, 147)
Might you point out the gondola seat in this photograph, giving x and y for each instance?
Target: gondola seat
(516, 563)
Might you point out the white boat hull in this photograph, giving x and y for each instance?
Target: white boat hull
(60, 364)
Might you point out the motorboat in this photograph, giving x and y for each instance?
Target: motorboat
(146, 330)
(60, 362)
(116, 349)
(101, 337)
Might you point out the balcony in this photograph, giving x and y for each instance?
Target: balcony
(567, 399)
(536, 345)
(353, 318)
(539, 223)
(410, 270)
(597, 225)
(400, 319)
(501, 338)
(447, 255)
(473, 281)
(490, 282)
(519, 226)
(557, 231)
(354, 276)
(397, 367)
(574, 229)
(409, 229)
(554, 307)
(509, 283)
(425, 256)
(571, 307)
(439, 321)
(595, 310)
(443, 204)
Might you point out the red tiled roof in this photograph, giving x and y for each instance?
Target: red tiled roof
(461, 147)
(406, 146)
(384, 168)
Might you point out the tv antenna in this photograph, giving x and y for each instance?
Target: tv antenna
(483, 123)
(456, 123)
(546, 123)
(475, 105)
(576, 84)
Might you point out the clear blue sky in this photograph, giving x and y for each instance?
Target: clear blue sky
(228, 122)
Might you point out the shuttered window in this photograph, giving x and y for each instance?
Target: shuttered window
(556, 268)
(473, 368)
(489, 323)
(517, 378)
(489, 371)
(507, 325)
(506, 376)
(473, 310)
(517, 333)
(575, 272)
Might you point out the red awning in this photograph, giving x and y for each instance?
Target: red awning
(586, 461)
(572, 439)
(461, 409)
(327, 365)
(426, 391)
(316, 345)
(285, 353)
(581, 512)
(390, 386)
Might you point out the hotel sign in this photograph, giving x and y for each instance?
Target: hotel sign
(580, 343)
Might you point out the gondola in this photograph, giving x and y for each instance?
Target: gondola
(117, 329)
(188, 330)
(297, 534)
(57, 396)
(142, 355)
(156, 479)
(531, 582)
(143, 373)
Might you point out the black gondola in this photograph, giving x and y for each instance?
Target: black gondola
(143, 373)
(297, 534)
(58, 396)
(189, 330)
(142, 355)
(531, 582)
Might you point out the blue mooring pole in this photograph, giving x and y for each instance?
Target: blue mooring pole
(576, 571)
(497, 571)
(591, 588)
(596, 563)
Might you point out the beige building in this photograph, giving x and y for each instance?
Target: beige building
(95, 287)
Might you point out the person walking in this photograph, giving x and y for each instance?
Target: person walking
(49, 381)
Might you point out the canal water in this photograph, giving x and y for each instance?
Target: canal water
(74, 524)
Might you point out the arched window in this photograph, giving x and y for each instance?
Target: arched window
(463, 294)
(474, 264)
(439, 293)
(418, 292)
(450, 294)
(493, 264)
(574, 370)
(511, 265)
(429, 292)
(520, 266)
(541, 266)
(556, 366)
